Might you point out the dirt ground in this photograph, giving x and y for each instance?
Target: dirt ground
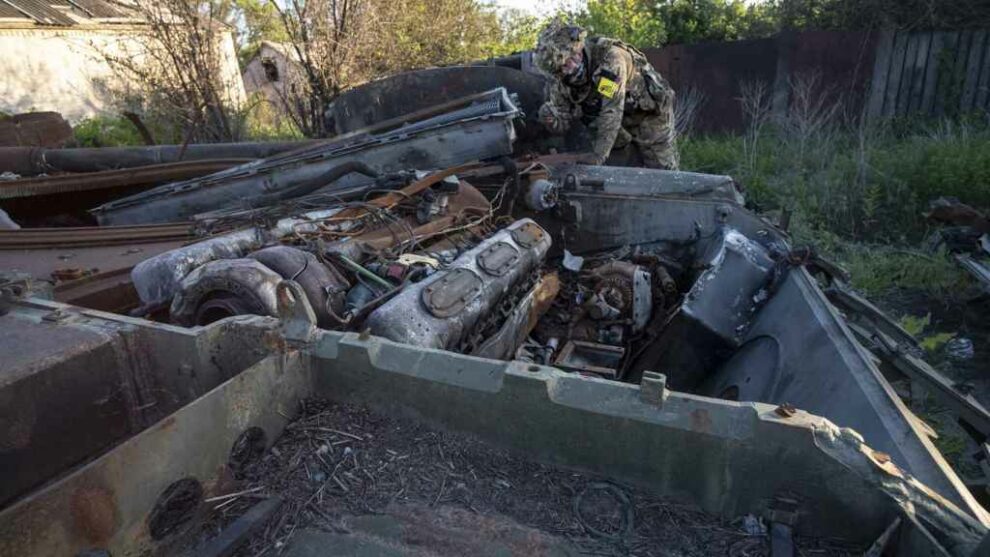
(338, 464)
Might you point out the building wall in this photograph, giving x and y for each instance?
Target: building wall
(273, 93)
(60, 69)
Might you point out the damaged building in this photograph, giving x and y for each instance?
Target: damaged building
(54, 55)
(437, 332)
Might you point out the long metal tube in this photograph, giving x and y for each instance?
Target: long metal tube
(31, 161)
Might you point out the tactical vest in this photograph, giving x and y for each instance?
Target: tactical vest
(656, 85)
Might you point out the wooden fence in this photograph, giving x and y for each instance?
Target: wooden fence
(884, 73)
(932, 73)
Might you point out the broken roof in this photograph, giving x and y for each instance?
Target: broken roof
(61, 13)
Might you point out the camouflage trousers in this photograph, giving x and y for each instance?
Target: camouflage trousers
(655, 136)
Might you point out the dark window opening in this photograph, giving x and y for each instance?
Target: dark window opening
(271, 69)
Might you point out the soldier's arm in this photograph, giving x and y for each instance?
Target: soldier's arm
(610, 80)
(557, 110)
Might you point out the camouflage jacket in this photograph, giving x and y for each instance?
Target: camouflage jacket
(621, 82)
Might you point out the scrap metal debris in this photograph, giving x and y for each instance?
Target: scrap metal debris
(966, 235)
(337, 463)
(421, 230)
(476, 128)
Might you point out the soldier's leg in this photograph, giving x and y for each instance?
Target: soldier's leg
(656, 139)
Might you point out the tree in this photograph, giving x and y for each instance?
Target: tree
(633, 21)
(689, 21)
(518, 31)
(342, 43)
(872, 14)
(646, 24)
(256, 21)
(177, 72)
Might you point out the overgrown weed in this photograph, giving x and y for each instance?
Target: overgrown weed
(863, 181)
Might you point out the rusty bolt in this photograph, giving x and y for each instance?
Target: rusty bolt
(785, 410)
(71, 273)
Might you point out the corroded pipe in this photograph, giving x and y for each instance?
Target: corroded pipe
(31, 161)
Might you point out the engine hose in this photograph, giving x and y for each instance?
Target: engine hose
(358, 269)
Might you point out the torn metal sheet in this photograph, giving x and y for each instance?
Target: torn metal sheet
(440, 142)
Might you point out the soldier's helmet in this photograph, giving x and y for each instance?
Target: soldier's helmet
(557, 41)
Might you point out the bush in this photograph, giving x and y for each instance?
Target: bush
(106, 131)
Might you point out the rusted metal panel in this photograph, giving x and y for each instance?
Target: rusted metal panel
(9, 12)
(106, 504)
(42, 12)
(96, 8)
(842, 61)
(397, 96)
(26, 161)
(34, 129)
(52, 12)
(90, 236)
(718, 70)
(109, 179)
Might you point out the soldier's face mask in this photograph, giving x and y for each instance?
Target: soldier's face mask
(573, 67)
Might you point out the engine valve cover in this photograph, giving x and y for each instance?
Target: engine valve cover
(438, 311)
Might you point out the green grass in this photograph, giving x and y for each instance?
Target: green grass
(257, 121)
(864, 185)
(858, 194)
(876, 269)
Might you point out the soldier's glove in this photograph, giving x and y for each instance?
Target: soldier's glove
(623, 139)
(551, 119)
(591, 159)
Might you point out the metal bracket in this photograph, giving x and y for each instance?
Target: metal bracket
(297, 316)
(653, 388)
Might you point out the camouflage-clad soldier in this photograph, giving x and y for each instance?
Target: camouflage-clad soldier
(612, 88)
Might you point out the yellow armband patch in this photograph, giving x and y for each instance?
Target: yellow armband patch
(607, 87)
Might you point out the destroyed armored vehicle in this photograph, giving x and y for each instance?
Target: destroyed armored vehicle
(640, 329)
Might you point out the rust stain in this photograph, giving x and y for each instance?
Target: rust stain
(701, 420)
(882, 458)
(785, 410)
(546, 290)
(167, 422)
(275, 342)
(95, 516)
